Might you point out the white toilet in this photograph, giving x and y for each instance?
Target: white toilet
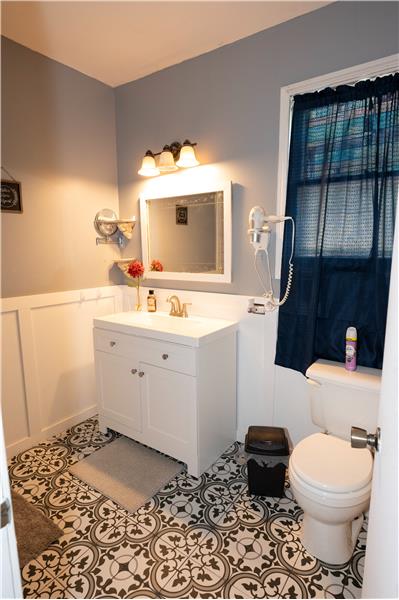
(330, 480)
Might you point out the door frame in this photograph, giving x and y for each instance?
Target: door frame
(382, 555)
(10, 570)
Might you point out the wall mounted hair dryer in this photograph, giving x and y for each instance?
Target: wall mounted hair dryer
(259, 235)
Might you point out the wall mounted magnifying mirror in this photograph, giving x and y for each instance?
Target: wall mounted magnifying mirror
(107, 224)
(189, 232)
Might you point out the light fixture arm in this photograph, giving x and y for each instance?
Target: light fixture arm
(174, 148)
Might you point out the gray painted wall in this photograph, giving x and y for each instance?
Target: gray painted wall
(228, 101)
(58, 139)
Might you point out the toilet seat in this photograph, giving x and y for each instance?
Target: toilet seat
(325, 498)
(327, 465)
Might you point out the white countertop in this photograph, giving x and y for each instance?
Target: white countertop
(190, 331)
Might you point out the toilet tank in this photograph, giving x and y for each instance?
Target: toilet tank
(341, 398)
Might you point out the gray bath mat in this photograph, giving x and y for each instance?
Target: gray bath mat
(127, 472)
(33, 530)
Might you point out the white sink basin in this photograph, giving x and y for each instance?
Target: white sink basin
(191, 331)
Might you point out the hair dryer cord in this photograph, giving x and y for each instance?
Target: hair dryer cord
(288, 287)
(268, 293)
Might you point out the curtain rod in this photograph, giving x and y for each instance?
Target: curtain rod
(349, 83)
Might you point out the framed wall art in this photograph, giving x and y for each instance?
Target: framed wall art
(181, 215)
(11, 200)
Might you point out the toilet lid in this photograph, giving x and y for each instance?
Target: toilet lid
(329, 463)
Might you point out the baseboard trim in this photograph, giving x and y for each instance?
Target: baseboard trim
(63, 424)
(48, 432)
(241, 435)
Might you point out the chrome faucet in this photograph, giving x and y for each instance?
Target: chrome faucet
(176, 309)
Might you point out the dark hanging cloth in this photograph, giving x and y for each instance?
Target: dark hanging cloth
(342, 189)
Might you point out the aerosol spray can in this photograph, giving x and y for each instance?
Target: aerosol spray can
(350, 349)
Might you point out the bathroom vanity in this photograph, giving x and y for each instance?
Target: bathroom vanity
(168, 382)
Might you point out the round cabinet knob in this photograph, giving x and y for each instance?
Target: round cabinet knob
(112, 344)
(165, 356)
(141, 374)
(133, 371)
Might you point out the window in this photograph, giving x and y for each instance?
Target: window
(359, 132)
(341, 191)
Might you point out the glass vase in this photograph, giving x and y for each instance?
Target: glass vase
(138, 302)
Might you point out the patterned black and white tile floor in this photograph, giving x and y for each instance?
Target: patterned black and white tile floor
(197, 538)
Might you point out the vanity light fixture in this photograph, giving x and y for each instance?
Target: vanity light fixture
(171, 157)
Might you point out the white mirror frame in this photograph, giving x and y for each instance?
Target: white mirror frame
(186, 190)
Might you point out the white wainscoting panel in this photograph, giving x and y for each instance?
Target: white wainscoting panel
(47, 361)
(15, 412)
(63, 341)
(291, 404)
(48, 366)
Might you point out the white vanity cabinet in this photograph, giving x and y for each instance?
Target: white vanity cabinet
(179, 398)
(118, 390)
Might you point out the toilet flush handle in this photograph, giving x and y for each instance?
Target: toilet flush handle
(361, 439)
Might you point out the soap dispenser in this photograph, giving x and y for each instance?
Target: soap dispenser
(151, 301)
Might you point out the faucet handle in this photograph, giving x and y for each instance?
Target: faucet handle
(169, 299)
(184, 308)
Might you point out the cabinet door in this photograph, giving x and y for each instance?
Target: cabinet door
(169, 399)
(119, 390)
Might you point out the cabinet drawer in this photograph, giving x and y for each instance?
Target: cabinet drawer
(174, 357)
(116, 343)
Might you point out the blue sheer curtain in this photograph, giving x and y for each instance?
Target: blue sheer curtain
(342, 191)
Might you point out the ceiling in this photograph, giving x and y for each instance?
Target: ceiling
(116, 42)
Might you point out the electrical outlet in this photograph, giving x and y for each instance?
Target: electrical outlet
(257, 308)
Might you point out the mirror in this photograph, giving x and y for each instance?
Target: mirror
(189, 233)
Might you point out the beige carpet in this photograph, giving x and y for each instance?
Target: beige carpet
(34, 531)
(127, 472)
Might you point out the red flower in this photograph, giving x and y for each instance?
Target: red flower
(136, 269)
(156, 265)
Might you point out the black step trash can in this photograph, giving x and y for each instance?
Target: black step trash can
(267, 453)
